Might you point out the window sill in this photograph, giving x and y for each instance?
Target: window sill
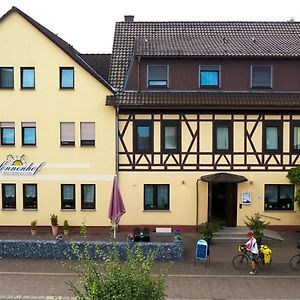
(6, 88)
(27, 88)
(261, 88)
(212, 87)
(9, 209)
(280, 210)
(29, 145)
(68, 209)
(29, 209)
(88, 209)
(157, 210)
(7, 145)
(67, 89)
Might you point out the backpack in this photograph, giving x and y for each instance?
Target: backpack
(266, 254)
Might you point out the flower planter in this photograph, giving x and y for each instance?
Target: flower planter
(54, 230)
(33, 232)
(66, 232)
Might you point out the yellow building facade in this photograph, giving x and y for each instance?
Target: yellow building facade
(53, 116)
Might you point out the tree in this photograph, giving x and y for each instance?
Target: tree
(294, 177)
(116, 279)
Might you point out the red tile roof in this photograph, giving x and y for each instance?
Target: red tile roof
(207, 100)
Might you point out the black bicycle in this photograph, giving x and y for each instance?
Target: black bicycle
(242, 261)
(295, 261)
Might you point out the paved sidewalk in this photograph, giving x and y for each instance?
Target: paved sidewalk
(185, 281)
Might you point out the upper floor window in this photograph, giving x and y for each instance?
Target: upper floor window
(261, 77)
(66, 77)
(7, 133)
(29, 196)
(67, 134)
(279, 197)
(158, 76)
(223, 136)
(295, 136)
(143, 136)
(6, 78)
(170, 136)
(87, 132)
(28, 133)
(209, 76)
(272, 136)
(88, 196)
(8, 195)
(156, 197)
(68, 196)
(27, 78)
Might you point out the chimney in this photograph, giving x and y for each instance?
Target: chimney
(129, 18)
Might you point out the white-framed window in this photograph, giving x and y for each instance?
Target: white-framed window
(210, 76)
(261, 76)
(158, 76)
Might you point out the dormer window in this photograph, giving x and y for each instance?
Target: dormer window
(209, 76)
(261, 77)
(158, 76)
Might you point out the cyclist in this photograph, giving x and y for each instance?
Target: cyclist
(251, 246)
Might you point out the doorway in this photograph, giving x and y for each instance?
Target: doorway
(222, 203)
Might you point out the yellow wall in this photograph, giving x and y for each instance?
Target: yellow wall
(47, 105)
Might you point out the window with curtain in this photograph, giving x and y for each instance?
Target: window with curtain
(157, 76)
(66, 78)
(8, 196)
(171, 136)
(6, 78)
(68, 196)
(295, 136)
(272, 136)
(88, 195)
(261, 77)
(209, 76)
(143, 136)
(87, 133)
(67, 134)
(279, 197)
(29, 196)
(27, 78)
(7, 133)
(223, 136)
(156, 197)
(28, 133)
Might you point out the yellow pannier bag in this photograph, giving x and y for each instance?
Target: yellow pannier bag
(266, 251)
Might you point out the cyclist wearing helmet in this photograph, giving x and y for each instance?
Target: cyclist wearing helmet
(251, 246)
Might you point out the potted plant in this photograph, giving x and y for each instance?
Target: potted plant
(33, 227)
(256, 225)
(207, 231)
(54, 224)
(66, 227)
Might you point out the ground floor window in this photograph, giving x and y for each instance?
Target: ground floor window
(8, 196)
(88, 196)
(68, 196)
(279, 197)
(29, 196)
(156, 197)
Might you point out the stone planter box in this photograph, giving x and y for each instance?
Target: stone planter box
(61, 249)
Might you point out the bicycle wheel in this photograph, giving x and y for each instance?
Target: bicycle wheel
(295, 262)
(241, 262)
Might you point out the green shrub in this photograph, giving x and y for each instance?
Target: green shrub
(208, 230)
(256, 225)
(294, 175)
(115, 279)
(54, 219)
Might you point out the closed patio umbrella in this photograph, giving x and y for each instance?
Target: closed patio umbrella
(116, 206)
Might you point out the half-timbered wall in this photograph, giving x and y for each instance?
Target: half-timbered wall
(197, 151)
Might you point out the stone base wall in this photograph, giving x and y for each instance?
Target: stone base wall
(61, 249)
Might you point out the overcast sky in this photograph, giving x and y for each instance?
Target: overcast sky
(88, 25)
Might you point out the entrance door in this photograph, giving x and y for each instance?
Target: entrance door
(222, 203)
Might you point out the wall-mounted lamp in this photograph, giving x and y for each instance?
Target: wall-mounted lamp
(251, 182)
(182, 182)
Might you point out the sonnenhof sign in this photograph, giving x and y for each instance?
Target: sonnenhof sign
(16, 165)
